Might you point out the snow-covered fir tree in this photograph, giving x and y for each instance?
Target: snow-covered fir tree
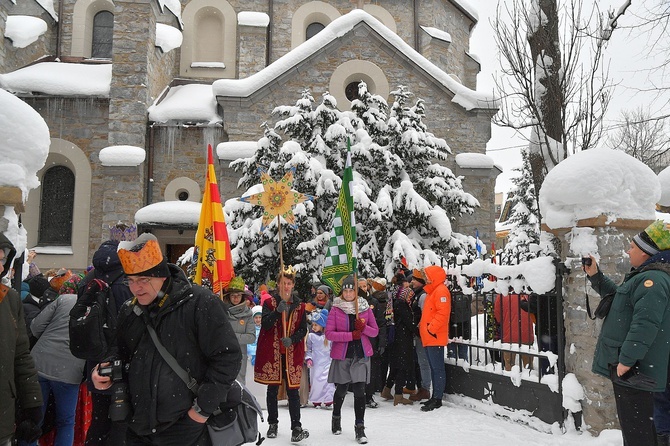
(404, 201)
(524, 236)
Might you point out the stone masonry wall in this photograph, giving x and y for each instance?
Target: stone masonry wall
(252, 45)
(13, 58)
(582, 333)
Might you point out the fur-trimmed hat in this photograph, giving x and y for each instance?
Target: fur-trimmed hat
(320, 317)
(143, 257)
(378, 283)
(654, 238)
(59, 279)
(419, 276)
(348, 282)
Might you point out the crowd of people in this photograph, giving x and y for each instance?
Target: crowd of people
(178, 348)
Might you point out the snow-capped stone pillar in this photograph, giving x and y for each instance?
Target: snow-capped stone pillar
(253, 35)
(606, 242)
(595, 202)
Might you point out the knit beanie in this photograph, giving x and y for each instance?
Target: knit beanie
(326, 290)
(38, 285)
(257, 310)
(654, 238)
(143, 257)
(348, 282)
(320, 317)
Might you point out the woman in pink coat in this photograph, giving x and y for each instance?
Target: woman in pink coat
(351, 324)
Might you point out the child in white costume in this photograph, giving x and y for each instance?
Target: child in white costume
(318, 360)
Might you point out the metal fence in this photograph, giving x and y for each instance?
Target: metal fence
(509, 348)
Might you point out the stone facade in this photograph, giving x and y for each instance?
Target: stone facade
(142, 73)
(581, 332)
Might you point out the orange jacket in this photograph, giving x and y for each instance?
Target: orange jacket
(434, 325)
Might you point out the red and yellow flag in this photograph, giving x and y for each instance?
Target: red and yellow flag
(214, 264)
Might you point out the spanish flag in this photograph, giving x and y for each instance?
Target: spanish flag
(214, 262)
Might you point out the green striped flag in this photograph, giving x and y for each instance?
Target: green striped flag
(341, 255)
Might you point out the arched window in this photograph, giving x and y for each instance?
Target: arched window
(313, 29)
(103, 33)
(57, 207)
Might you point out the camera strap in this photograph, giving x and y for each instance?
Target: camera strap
(191, 383)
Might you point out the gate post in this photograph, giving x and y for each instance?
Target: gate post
(581, 333)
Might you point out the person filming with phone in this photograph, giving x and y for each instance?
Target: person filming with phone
(634, 342)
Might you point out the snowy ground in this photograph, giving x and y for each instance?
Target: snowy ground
(460, 421)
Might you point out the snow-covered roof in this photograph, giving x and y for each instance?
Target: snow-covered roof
(437, 33)
(122, 156)
(190, 102)
(466, 7)
(168, 37)
(23, 30)
(25, 143)
(174, 6)
(598, 182)
(474, 161)
(232, 150)
(253, 18)
(184, 213)
(48, 6)
(60, 79)
(339, 27)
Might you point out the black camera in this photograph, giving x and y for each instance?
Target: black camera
(587, 261)
(119, 408)
(114, 370)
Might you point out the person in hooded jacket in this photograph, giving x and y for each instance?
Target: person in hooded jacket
(39, 297)
(106, 267)
(241, 320)
(634, 341)
(19, 388)
(434, 331)
(191, 324)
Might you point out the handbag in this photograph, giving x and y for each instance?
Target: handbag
(603, 306)
(235, 422)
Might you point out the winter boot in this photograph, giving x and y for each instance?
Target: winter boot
(360, 434)
(386, 393)
(299, 434)
(272, 430)
(371, 403)
(433, 403)
(336, 425)
(422, 394)
(399, 399)
(407, 391)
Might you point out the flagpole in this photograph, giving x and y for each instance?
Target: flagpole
(281, 270)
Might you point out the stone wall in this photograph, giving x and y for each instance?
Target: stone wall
(481, 184)
(582, 333)
(13, 58)
(252, 47)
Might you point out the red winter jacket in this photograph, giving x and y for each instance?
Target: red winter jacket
(434, 325)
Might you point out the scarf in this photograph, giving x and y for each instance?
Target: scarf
(349, 307)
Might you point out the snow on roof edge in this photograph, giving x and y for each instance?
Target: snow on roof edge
(467, 98)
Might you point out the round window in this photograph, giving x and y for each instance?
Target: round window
(351, 91)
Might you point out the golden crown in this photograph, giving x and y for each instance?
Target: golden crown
(287, 270)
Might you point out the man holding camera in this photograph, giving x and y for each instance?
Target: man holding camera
(191, 324)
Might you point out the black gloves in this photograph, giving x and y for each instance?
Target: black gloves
(286, 341)
(282, 307)
(28, 428)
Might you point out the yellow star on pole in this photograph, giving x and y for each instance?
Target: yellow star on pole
(277, 198)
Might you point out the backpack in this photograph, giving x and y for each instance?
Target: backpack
(237, 422)
(92, 323)
(460, 308)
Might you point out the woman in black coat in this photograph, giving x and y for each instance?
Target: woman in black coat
(401, 350)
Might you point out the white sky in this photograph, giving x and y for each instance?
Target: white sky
(629, 59)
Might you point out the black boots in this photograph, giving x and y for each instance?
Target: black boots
(336, 426)
(432, 404)
(299, 434)
(272, 430)
(360, 434)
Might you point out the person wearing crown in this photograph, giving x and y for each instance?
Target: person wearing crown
(191, 324)
(280, 352)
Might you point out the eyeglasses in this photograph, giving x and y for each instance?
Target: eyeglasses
(138, 281)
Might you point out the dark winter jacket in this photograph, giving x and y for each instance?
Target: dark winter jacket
(402, 348)
(32, 306)
(18, 377)
(192, 325)
(107, 267)
(379, 310)
(637, 327)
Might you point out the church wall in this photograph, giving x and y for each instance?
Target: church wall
(13, 58)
